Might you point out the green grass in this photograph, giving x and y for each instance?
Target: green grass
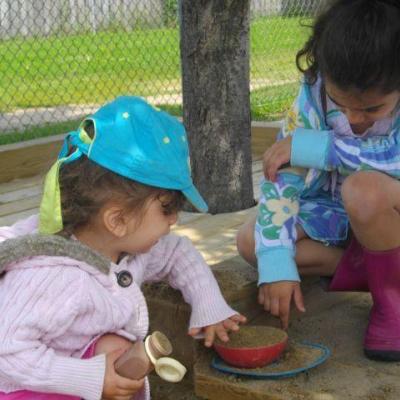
(274, 43)
(271, 103)
(88, 68)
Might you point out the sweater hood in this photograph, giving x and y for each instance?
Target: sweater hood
(22, 247)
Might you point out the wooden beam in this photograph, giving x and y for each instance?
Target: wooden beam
(25, 159)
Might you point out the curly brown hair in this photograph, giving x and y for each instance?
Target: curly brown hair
(356, 44)
(86, 187)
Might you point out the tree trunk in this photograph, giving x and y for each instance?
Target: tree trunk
(216, 100)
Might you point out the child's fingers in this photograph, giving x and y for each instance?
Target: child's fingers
(122, 388)
(128, 387)
(272, 168)
(266, 158)
(221, 332)
(230, 325)
(298, 299)
(284, 311)
(209, 336)
(264, 291)
(267, 303)
(261, 295)
(274, 308)
(277, 161)
(194, 331)
(239, 318)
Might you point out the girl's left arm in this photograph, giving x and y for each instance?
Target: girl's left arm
(175, 258)
(347, 154)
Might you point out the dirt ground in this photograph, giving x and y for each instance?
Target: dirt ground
(337, 320)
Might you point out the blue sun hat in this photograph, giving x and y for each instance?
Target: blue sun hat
(132, 139)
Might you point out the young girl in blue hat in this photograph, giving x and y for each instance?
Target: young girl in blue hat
(70, 289)
(342, 134)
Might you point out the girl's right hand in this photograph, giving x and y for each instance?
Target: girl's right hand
(277, 156)
(116, 387)
(276, 298)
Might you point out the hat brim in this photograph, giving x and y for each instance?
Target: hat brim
(195, 199)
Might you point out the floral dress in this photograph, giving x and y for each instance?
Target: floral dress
(324, 152)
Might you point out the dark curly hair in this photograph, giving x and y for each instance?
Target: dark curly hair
(356, 45)
(86, 187)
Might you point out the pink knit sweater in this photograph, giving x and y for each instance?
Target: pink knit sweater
(52, 308)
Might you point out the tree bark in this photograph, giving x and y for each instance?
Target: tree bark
(216, 100)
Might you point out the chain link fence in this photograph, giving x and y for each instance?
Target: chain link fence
(62, 58)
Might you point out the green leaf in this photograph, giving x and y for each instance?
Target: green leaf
(264, 216)
(271, 232)
(269, 191)
(289, 192)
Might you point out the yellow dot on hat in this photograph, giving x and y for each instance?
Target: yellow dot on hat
(166, 140)
(125, 115)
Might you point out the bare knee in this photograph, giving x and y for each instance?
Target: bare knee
(363, 196)
(111, 342)
(245, 241)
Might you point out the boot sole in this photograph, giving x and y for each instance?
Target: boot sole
(382, 355)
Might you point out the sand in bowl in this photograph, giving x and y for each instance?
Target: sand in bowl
(254, 336)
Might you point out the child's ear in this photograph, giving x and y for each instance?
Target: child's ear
(115, 221)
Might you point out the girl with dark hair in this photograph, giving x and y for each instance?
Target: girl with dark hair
(330, 200)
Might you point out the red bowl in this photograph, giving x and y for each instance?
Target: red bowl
(252, 357)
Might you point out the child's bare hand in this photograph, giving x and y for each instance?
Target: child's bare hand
(220, 329)
(276, 156)
(116, 387)
(277, 297)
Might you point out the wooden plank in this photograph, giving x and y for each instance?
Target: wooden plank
(20, 205)
(261, 138)
(25, 159)
(215, 224)
(188, 217)
(17, 184)
(20, 194)
(257, 166)
(215, 235)
(218, 248)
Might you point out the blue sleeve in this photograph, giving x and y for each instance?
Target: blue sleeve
(348, 154)
(275, 229)
(310, 148)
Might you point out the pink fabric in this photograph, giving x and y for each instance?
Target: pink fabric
(382, 337)
(351, 272)
(70, 302)
(28, 395)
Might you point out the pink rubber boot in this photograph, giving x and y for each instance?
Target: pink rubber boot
(382, 338)
(351, 273)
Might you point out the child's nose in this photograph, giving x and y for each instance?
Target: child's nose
(172, 218)
(355, 117)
